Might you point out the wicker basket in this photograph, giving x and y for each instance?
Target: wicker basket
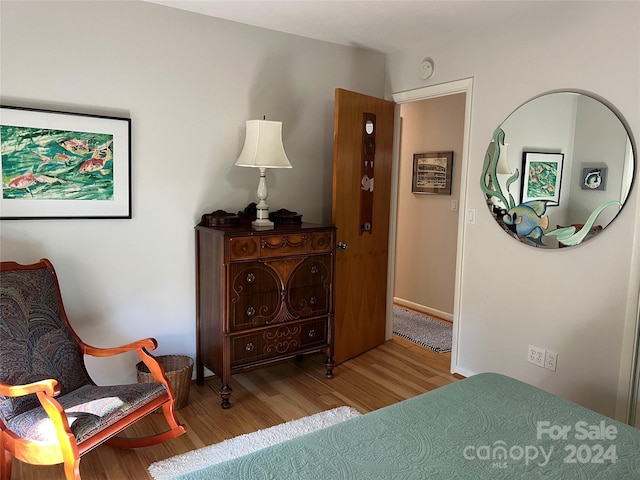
(178, 369)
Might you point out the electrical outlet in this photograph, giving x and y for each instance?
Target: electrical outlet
(536, 355)
(551, 360)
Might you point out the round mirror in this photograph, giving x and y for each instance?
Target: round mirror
(558, 170)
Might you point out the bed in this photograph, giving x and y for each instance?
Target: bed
(488, 426)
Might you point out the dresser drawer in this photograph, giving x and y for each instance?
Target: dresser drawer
(243, 248)
(285, 339)
(252, 278)
(313, 333)
(310, 301)
(315, 270)
(247, 311)
(321, 242)
(280, 245)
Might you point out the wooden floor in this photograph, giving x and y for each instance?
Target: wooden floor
(395, 371)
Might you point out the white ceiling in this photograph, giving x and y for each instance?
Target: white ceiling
(382, 25)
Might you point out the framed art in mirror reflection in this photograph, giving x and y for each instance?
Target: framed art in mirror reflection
(541, 177)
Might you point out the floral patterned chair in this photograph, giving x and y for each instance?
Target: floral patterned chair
(51, 411)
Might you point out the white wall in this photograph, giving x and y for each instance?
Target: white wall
(189, 83)
(579, 302)
(427, 227)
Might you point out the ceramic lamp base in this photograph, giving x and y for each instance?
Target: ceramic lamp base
(262, 222)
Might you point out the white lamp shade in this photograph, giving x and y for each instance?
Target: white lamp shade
(503, 160)
(263, 146)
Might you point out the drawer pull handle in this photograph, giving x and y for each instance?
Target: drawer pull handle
(249, 347)
(312, 333)
(245, 248)
(313, 300)
(314, 270)
(251, 278)
(251, 312)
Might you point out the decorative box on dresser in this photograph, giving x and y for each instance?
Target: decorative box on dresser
(262, 296)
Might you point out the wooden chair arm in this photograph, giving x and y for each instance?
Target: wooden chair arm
(66, 439)
(147, 343)
(156, 370)
(142, 347)
(48, 386)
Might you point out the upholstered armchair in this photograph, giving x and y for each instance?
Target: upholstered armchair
(51, 411)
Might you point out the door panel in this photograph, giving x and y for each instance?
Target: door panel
(361, 208)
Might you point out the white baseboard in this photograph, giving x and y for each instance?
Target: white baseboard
(463, 371)
(423, 309)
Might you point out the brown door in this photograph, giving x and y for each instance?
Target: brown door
(362, 157)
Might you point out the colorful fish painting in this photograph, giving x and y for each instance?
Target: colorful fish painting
(23, 181)
(96, 163)
(75, 146)
(28, 180)
(49, 164)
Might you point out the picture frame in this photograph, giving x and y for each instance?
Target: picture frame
(541, 177)
(63, 165)
(594, 178)
(432, 173)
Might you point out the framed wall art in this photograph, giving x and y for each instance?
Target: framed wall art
(594, 178)
(541, 177)
(432, 173)
(59, 165)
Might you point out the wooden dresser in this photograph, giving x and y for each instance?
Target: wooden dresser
(262, 296)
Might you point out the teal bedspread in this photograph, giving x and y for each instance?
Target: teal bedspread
(485, 427)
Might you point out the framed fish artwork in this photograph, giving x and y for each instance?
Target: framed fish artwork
(541, 177)
(62, 165)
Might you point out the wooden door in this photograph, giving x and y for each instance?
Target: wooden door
(362, 160)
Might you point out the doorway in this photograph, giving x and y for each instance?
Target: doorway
(445, 211)
(427, 223)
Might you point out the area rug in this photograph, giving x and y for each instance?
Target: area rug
(422, 330)
(248, 443)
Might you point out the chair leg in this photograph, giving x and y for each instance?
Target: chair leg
(5, 463)
(72, 469)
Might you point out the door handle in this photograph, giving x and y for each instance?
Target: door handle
(342, 245)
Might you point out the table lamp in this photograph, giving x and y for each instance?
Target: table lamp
(263, 149)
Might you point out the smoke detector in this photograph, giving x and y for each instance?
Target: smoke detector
(427, 69)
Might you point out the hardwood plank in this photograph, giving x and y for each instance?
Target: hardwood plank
(394, 371)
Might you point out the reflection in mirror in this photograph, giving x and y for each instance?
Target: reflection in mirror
(558, 170)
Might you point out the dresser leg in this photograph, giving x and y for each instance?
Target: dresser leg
(199, 373)
(225, 393)
(329, 366)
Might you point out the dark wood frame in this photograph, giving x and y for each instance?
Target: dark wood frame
(432, 173)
